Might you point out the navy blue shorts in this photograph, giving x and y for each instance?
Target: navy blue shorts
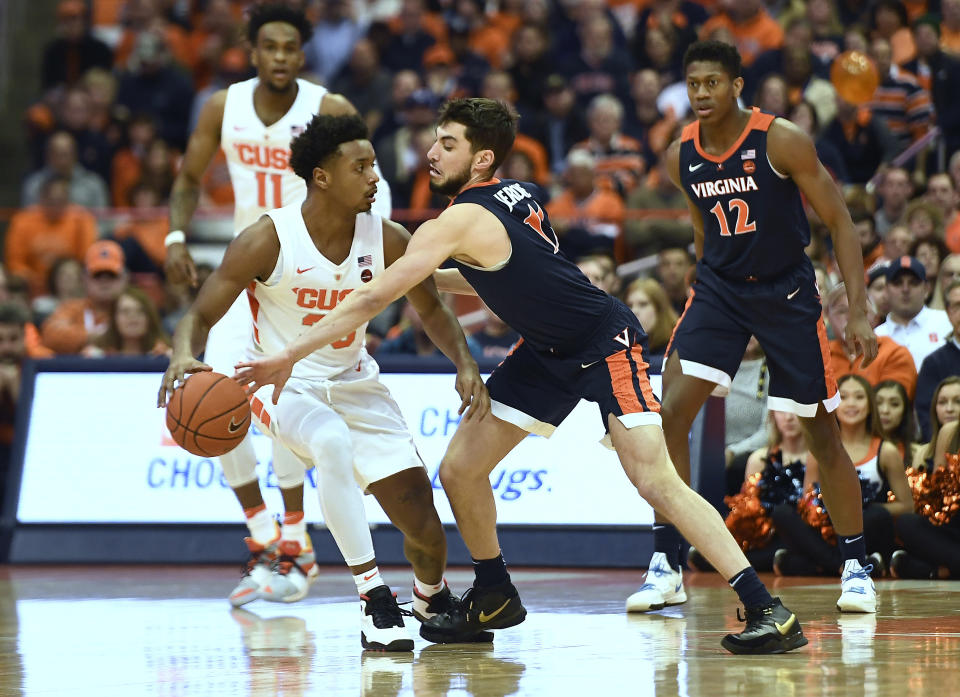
(784, 315)
(536, 390)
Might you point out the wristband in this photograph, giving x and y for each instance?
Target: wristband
(175, 237)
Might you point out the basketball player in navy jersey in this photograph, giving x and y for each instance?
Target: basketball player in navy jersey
(743, 172)
(578, 342)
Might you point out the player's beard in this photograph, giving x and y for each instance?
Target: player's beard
(452, 185)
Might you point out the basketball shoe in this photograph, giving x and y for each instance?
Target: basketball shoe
(662, 586)
(381, 622)
(294, 569)
(256, 571)
(857, 592)
(425, 608)
(480, 609)
(770, 629)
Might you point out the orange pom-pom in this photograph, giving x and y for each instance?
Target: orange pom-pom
(748, 521)
(854, 76)
(814, 513)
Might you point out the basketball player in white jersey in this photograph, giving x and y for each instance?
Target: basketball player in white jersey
(253, 121)
(295, 264)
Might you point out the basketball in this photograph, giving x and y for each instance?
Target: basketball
(208, 414)
(854, 76)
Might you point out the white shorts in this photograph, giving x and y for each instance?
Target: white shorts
(382, 445)
(229, 338)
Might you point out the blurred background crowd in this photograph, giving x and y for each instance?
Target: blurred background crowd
(600, 92)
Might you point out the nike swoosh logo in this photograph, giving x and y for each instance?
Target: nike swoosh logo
(367, 578)
(299, 270)
(790, 295)
(233, 427)
(239, 128)
(486, 618)
(694, 168)
(785, 627)
(587, 365)
(854, 539)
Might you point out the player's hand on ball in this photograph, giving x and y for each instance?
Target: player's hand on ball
(473, 393)
(178, 369)
(273, 370)
(179, 265)
(860, 338)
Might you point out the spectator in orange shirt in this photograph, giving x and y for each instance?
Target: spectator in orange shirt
(142, 234)
(40, 234)
(753, 29)
(893, 361)
(127, 163)
(77, 323)
(146, 15)
(585, 218)
(13, 290)
(620, 158)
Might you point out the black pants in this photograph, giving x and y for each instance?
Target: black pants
(938, 545)
(807, 543)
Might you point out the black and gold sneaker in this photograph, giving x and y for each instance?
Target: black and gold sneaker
(482, 608)
(770, 629)
(426, 608)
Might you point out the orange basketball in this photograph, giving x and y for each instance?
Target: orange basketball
(208, 414)
(854, 76)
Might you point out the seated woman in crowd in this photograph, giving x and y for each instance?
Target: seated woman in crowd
(775, 474)
(880, 468)
(650, 304)
(944, 409)
(931, 537)
(897, 424)
(134, 329)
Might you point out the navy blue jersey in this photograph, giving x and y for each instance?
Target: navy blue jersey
(754, 227)
(538, 291)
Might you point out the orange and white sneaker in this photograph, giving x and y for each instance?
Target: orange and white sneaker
(256, 571)
(293, 571)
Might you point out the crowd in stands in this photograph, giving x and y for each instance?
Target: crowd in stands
(599, 88)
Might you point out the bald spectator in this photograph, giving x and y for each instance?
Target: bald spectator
(86, 189)
(942, 363)
(911, 323)
(42, 233)
(673, 267)
(893, 361)
(895, 190)
(620, 158)
(74, 50)
(76, 323)
(586, 218)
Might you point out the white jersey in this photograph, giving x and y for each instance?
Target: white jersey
(258, 156)
(305, 285)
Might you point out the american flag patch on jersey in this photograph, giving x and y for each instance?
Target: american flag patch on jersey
(365, 260)
(748, 154)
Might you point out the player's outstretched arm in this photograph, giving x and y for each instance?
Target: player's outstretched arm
(432, 244)
(185, 194)
(441, 326)
(673, 170)
(452, 281)
(792, 153)
(253, 254)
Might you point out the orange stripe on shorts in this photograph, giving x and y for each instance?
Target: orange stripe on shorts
(645, 388)
(828, 376)
(621, 377)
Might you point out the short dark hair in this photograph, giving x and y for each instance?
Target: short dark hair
(490, 124)
(266, 12)
(715, 52)
(321, 139)
(13, 313)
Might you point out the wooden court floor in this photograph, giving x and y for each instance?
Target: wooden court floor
(169, 631)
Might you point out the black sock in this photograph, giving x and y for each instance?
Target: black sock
(750, 588)
(853, 547)
(667, 539)
(490, 572)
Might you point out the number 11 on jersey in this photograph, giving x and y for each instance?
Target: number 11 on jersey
(276, 184)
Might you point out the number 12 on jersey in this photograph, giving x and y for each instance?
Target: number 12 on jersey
(744, 224)
(275, 184)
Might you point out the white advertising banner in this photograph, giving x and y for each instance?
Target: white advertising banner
(98, 451)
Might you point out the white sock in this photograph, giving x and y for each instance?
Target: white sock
(262, 526)
(296, 531)
(368, 580)
(427, 590)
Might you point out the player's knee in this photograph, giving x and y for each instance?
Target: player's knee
(239, 465)
(332, 451)
(454, 472)
(676, 420)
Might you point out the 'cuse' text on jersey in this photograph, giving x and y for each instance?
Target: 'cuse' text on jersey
(320, 298)
(723, 187)
(264, 156)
